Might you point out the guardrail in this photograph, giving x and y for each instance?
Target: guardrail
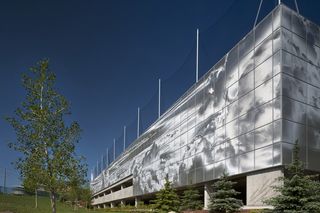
(113, 196)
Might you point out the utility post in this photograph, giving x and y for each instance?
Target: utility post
(4, 180)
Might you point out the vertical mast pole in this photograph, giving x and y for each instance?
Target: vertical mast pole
(138, 123)
(107, 157)
(102, 164)
(197, 57)
(159, 99)
(114, 149)
(98, 167)
(124, 138)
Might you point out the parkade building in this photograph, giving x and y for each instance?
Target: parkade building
(243, 117)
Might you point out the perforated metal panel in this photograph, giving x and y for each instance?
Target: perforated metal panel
(243, 115)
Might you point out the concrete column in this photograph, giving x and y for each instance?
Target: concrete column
(104, 205)
(122, 186)
(207, 191)
(122, 203)
(136, 201)
(111, 205)
(259, 187)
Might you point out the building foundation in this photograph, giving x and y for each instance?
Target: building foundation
(207, 191)
(259, 186)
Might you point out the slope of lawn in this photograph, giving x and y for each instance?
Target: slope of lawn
(25, 204)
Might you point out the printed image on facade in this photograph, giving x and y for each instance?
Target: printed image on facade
(243, 117)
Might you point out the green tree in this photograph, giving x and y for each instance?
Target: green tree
(190, 200)
(77, 195)
(223, 198)
(80, 195)
(75, 192)
(45, 141)
(85, 196)
(31, 187)
(297, 192)
(166, 199)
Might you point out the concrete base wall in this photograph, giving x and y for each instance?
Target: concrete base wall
(207, 192)
(259, 186)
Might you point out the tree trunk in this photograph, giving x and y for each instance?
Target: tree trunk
(53, 202)
(76, 205)
(36, 198)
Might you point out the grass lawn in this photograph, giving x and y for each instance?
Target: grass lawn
(25, 204)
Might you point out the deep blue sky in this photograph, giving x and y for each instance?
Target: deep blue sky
(108, 55)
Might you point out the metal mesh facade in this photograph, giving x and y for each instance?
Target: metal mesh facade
(243, 115)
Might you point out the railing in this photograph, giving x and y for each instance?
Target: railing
(117, 195)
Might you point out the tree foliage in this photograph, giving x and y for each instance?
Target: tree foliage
(223, 198)
(298, 192)
(77, 195)
(45, 141)
(190, 200)
(166, 199)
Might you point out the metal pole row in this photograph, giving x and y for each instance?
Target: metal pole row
(159, 108)
(159, 88)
